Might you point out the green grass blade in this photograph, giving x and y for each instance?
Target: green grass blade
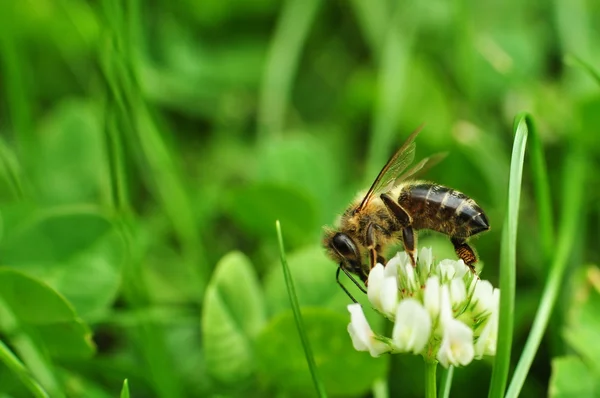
(572, 201)
(373, 19)
(298, 315)
(140, 129)
(16, 366)
(125, 389)
(11, 169)
(283, 58)
(446, 382)
(15, 82)
(508, 259)
(572, 59)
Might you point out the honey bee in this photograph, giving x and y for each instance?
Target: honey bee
(394, 209)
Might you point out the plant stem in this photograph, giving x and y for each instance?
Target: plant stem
(430, 383)
(446, 382)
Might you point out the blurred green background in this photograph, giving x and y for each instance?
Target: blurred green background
(147, 149)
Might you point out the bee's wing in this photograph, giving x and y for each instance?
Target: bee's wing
(389, 174)
(422, 167)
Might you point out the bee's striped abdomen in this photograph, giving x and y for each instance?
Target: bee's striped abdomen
(442, 209)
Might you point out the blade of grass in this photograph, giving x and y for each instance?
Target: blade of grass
(508, 259)
(571, 59)
(572, 201)
(129, 122)
(11, 170)
(16, 72)
(298, 315)
(125, 389)
(35, 359)
(401, 32)
(146, 137)
(446, 382)
(16, 366)
(282, 62)
(373, 19)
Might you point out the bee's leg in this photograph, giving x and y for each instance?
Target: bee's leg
(371, 246)
(380, 258)
(464, 252)
(405, 221)
(410, 243)
(401, 216)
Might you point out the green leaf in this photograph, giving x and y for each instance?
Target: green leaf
(34, 307)
(343, 371)
(571, 378)
(125, 390)
(301, 161)
(77, 252)
(72, 165)
(233, 314)
(581, 332)
(256, 208)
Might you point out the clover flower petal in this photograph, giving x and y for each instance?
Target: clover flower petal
(431, 297)
(457, 344)
(486, 342)
(482, 300)
(412, 333)
(374, 284)
(361, 334)
(390, 296)
(458, 293)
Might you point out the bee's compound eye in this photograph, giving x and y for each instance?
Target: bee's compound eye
(344, 245)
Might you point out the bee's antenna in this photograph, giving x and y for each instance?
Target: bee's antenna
(351, 277)
(337, 278)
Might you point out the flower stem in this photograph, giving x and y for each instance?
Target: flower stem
(446, 382)
(430, 382)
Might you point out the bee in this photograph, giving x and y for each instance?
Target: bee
(394, 209)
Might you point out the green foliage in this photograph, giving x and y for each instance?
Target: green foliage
(147, 148)
(43, 313)
(64, 259)
(283, 364)
(125, 390)
(572, 378)
(578, 374)
(233, 314)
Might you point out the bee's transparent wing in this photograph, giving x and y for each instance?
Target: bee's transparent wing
(422, 167)
(393, 168)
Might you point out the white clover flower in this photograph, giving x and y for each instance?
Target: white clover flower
(487, 339)
(457, 344)
(441, 311)
(412, 334)
(431, 297)
(362, 336)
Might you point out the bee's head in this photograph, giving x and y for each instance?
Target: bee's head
(342, 249)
